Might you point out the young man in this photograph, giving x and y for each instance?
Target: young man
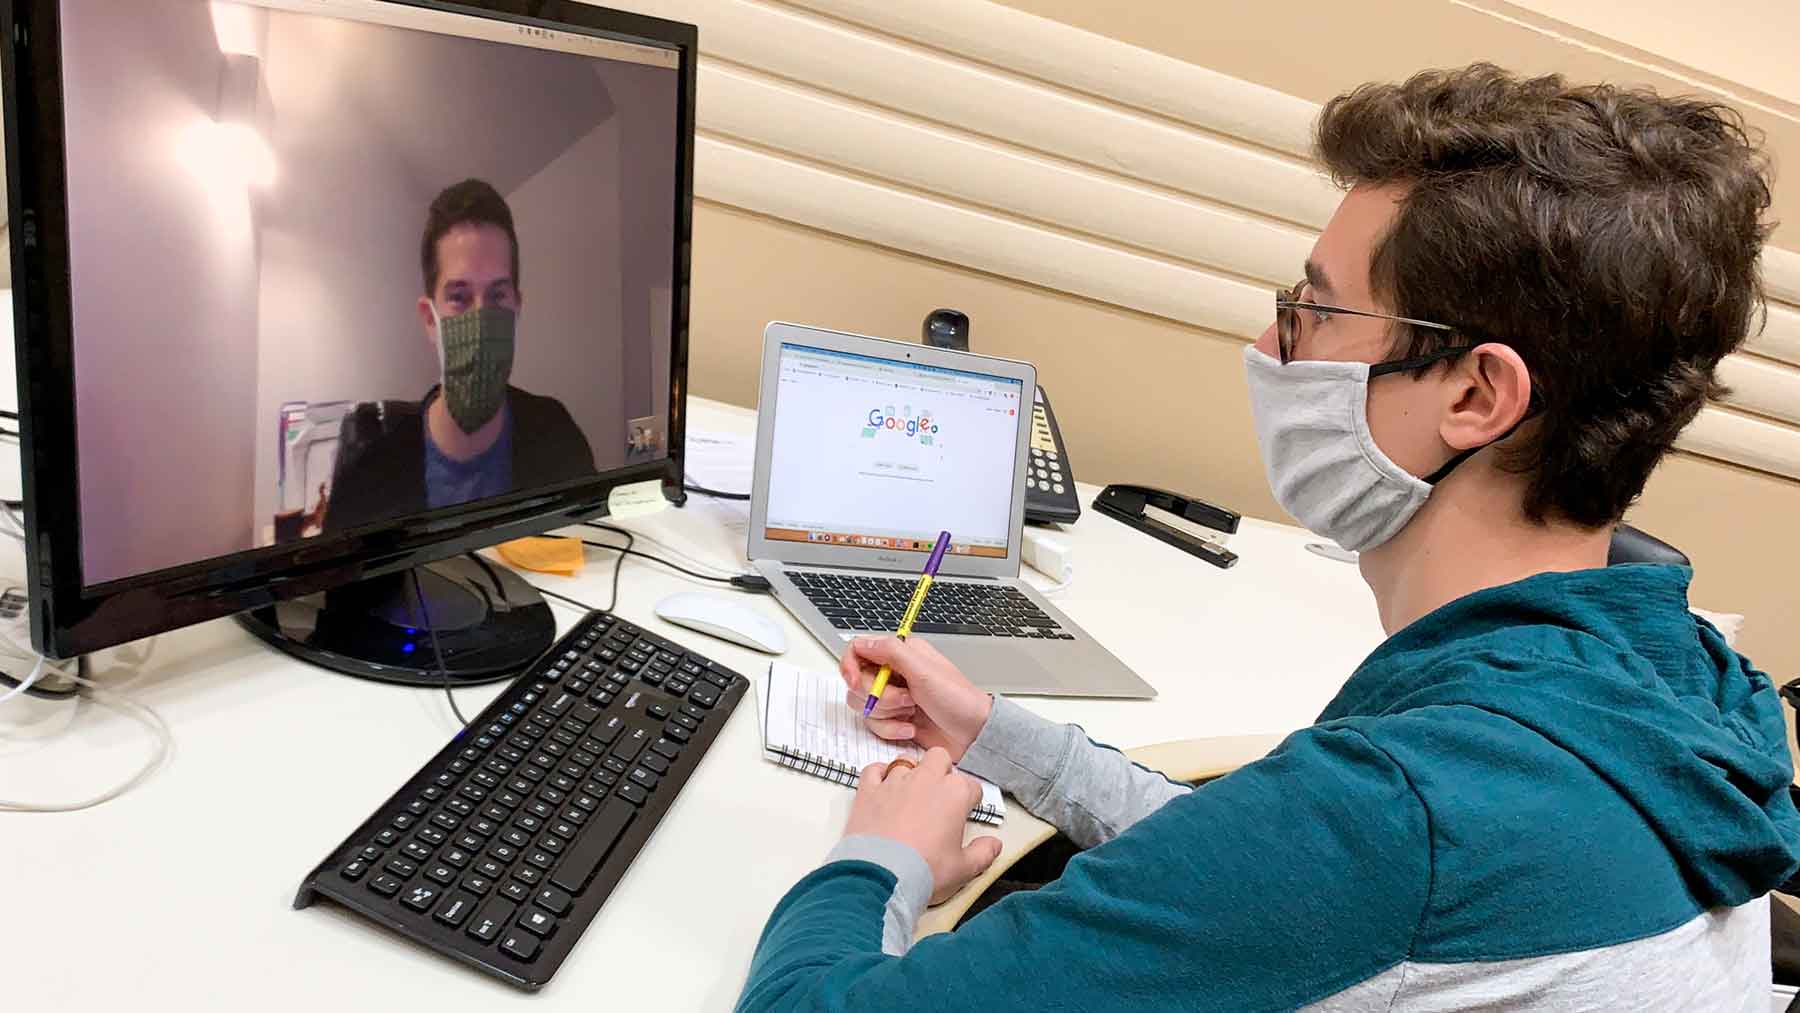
(474, 435)
(1552, 787)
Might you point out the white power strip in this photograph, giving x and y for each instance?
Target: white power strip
(1049, 555)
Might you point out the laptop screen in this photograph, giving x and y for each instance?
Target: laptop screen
(883, 454)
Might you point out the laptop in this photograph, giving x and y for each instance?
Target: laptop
(865, 450)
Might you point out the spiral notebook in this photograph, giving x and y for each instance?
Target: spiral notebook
(807, 726)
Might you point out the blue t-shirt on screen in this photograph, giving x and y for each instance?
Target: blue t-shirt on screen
(450, 482)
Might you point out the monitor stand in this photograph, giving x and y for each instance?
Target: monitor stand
(490, 624)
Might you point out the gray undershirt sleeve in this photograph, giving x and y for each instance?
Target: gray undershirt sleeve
(1088, 791)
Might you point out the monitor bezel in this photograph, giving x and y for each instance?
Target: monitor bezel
(70, 618)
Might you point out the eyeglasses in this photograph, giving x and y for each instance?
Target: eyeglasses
(1287, 318)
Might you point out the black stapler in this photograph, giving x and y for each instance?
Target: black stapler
(1127, 503)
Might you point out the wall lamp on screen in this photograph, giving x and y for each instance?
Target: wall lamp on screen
(234, 141)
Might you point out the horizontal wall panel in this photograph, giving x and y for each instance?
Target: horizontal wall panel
(1740, 439)
(1762, 387)
(1780, 337)
(1781, 275)
(764, 183)
(1065, 55)
(825, 128)
(985, 101)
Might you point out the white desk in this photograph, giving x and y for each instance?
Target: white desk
(177, 895)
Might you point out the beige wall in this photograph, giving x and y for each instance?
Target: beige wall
(1144, 398)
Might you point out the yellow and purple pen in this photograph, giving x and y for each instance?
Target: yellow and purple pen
(912, 614)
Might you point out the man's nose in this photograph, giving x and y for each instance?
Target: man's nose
(1266, 343)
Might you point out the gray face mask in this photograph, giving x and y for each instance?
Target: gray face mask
(1312, 421)
(475, 356)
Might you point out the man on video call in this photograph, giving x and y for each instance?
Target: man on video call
(474, 435)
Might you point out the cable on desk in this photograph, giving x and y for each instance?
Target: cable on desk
(165, 742)
(722, 569)
(437, 652)
(743, 582)
(583, 606)
(714, 493)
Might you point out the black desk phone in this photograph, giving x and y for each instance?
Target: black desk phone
(1049, 480)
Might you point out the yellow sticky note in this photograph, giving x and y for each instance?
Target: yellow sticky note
(636, 500)
(561, 556)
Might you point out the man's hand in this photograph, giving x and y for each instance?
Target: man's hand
(924, 808)
(927, 700)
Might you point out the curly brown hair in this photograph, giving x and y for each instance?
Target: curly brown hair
(1608, 235)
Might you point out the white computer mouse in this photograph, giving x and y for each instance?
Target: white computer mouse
(723, 618)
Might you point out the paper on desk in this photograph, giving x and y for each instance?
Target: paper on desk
(725, 462)
(803, 715)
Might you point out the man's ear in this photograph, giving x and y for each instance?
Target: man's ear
(1488, 393)
(427, 321)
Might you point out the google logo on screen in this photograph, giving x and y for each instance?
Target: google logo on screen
(888, 421)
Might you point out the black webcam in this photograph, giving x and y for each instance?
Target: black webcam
(947, 328)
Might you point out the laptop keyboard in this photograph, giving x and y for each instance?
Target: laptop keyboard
(967, 608)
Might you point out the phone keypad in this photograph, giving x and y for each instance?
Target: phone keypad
(1046, 470)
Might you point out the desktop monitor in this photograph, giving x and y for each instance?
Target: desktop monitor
(315, 297)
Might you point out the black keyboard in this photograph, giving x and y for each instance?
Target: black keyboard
(967, 607)
(502, 849)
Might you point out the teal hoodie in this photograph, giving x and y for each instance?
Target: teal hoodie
(1569, 762)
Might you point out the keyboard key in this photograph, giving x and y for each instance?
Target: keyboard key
(517, 838)
(387, 837)
(420, 896)
(551, 843)
(515, 890)
(385, 885)
(495, 867)
(529, 824)
(404, 821)
(628, 746)
(520, 945)
(354, 870)
(402, 868)
(455, 910)
(608, 730)
(959, 629)
(632, 793)
(538, 922)
(417, 850)
(587, 802)
(677, 733)
(483, 827)
(477, 884)
(540, 858)
(455, 857)
(468, 842)
(528, 875)
(446, 821)
(441, 873)
(592, 847)
(432, 835)
(487, 925)
(644, 778)
(708, 695)
(693, 712)
(553, 900)
(418, 807)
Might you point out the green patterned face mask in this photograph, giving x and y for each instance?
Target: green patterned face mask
(475, 351)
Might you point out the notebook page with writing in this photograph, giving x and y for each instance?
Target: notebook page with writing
(807, 725)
